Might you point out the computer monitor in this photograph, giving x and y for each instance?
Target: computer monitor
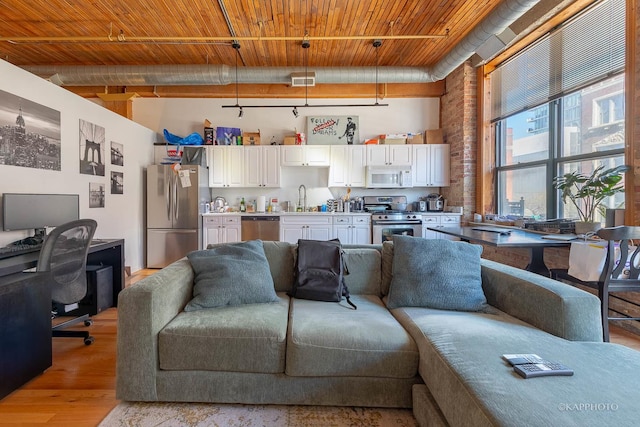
(38, 211)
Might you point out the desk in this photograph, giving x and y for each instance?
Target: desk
(101, 252)
(516, 239)
(25, 329)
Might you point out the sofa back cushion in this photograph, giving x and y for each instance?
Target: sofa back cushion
(364, 266)
(365, 274)
(281, 263)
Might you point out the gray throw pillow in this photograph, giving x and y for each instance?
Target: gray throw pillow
(436, 273)
(232, 274)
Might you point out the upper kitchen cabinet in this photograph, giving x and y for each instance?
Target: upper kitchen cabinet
(389, 155)
(431, 165)
(262, 166)
(305, 155)
(347, 167)
(226, 165)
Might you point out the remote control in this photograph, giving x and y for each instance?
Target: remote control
(521, 359)
(532, 370)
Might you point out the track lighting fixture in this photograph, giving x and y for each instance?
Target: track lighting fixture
(240, 113)
(295, 112)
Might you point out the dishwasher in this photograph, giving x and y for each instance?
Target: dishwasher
(263, 227)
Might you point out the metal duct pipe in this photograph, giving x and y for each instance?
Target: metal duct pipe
(175, 75)
(495, 23)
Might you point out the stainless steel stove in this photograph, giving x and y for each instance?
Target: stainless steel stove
(389, 217)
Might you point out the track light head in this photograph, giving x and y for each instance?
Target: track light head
(295, 112)
(377, 43)
(306, 44)
(241, 113)
(235, 45)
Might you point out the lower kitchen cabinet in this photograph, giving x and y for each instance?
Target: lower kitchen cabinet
(352, 229)
(310, 227)
(439, 221)
(220, 229)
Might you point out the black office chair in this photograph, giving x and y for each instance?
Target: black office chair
(609, 279)
(64, 257)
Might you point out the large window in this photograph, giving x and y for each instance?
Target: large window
(555, 112)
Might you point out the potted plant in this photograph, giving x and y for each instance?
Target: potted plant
(586, 192)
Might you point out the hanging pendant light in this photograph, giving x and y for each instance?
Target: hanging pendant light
(236, 46)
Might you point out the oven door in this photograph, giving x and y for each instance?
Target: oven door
(384, 231)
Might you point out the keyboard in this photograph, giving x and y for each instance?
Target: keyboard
(15, 250)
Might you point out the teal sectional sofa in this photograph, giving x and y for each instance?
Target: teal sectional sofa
(445, 364)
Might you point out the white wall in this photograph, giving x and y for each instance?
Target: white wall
(123, 215)
(184, 116)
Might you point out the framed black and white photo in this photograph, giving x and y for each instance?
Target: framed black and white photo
(96, 195)
(117, 154)
(117, 183)
(29, 133)
(329, 130)
(92, 142)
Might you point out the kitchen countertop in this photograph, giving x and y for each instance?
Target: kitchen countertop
(316, 213)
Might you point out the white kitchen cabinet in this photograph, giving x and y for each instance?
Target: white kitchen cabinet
(262, 166)
(352, 229)
(389, 155)
(431, 163)
(439, 221)
(305, 155)
(220, 229)
(347, 167)
(313, 227)
(226, 165)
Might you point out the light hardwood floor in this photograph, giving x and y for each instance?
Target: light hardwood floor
(79, 389)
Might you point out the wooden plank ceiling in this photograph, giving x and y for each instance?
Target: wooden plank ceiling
(154, 32)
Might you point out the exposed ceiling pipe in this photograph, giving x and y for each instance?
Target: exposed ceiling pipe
(175, 75)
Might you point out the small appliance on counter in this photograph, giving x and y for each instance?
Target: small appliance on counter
(435, 203)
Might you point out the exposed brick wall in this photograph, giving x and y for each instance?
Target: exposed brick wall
(458, 122)
(636, 118)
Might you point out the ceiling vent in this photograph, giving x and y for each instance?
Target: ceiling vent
(303, 79)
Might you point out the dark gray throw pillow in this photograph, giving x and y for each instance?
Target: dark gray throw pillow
(436, 273)
(232, 274)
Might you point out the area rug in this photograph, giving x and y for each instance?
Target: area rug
(141, 414)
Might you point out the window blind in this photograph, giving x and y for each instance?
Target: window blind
(586, 49)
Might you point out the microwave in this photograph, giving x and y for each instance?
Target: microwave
(388, 177)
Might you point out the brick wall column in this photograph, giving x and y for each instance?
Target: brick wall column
(459, 124)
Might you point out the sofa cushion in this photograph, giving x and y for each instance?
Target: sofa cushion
(227, 339)
(281, 261)
(387, 266)
(461, 363)
(233, 274)
(332, 339)
(364, 271)
(436, 273)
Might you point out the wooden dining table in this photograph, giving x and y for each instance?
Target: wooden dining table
(508, 238)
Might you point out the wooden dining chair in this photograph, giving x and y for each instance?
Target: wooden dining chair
(616, 276)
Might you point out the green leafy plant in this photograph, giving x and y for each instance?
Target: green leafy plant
(586, 192)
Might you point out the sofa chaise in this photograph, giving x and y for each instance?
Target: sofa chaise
(445, 364)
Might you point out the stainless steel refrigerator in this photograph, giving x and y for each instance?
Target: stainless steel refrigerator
(173, 212)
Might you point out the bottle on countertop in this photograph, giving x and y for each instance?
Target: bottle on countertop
(243, 207)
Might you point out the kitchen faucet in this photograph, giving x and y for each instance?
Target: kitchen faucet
(302, 199)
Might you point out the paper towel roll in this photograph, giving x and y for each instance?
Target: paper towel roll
(261, 203)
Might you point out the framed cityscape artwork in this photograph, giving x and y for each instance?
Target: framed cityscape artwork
(92, 142)
(29, 133)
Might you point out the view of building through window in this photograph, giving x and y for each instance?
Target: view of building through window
(592, 134)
